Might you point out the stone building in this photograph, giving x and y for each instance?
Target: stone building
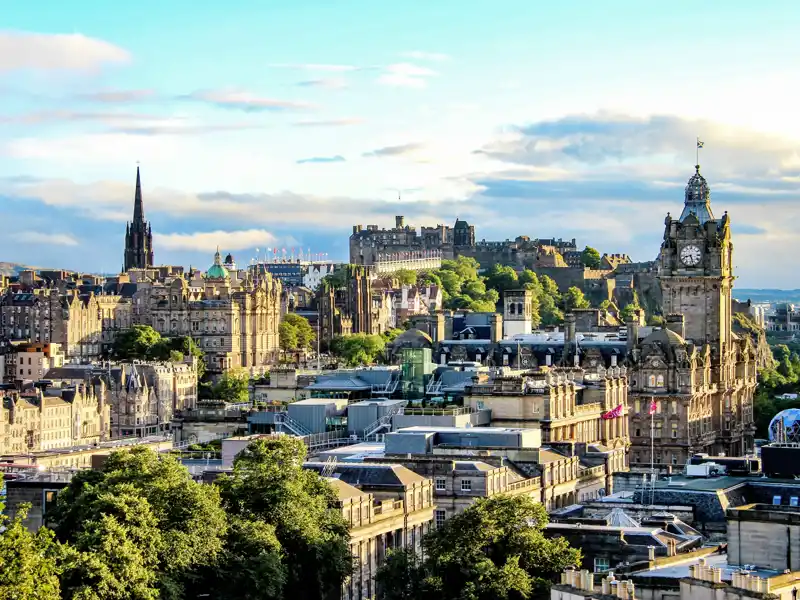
(233, 318)
(387, 507)
(116, 315)
(697, 373)
(57, 417)
(34, 361)
(142, 397)
(138, 235)
(354, 307)
(46, 315)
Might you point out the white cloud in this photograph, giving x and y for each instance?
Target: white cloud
(245, 101)
(331, 83)
(57, 52)
(207, 240)
(330, 122)
(47, 239)
(325, 68)
(432, 56)
(406, 75)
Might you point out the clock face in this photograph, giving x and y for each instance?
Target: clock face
(690, 255)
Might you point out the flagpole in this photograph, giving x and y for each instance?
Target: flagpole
(697, 152)
(652, 453)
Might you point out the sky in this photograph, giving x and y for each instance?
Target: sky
(272, 124)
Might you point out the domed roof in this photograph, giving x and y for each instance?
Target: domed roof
(217, 271)
(697, 199)
(785, 426)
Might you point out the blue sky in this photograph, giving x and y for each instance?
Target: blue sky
(274, 124)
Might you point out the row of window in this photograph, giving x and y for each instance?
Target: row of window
(441, 485)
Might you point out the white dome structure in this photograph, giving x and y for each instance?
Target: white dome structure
(785, 426)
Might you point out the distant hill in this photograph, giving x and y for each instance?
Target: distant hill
(10, 269)
(767, 295)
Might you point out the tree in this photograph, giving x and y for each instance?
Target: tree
(627, 312)
(590, 258)
(358, 348)
(287, 337)
(28, 561)
(574, 298)
(406, 277)
(269, 484)
(502, 278)
(140, 528)
(494, 549)
(551, 314)
(233, 386)
(302, 332)
(138, 342)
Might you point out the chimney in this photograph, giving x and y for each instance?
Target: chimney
(633, 331)
(496, 321)
(399, 222)
(569, 329)
(676, 323)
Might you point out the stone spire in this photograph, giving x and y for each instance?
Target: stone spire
(138, 204)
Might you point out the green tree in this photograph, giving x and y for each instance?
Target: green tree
(406, 277)
(233, 386)
(502, 278)
(530, 281)
(574, 298)
(304, 332)
(29, 568)
(590, 258)
(138, 342)
(287, 337)
(358, 348)
(627, 312)
(268, 483)
(141, 528)
(549, 311)
(495, 549)
(337, 279)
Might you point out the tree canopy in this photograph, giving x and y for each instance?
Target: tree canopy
(295, 333)
(461, 286)
(406, 277)
(233, 386)
(495, 549)
(142, 342)
(29, 566)
(358, 348)
(269, 485)
(574, 298)
(139, 528)
(590, 258)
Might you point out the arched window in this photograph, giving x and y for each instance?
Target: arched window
(519, 308)
(660, 381)
(651, 381)
(512, 308)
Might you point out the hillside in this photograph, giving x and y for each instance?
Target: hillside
(9, 269)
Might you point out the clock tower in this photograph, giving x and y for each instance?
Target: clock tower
(695, 268)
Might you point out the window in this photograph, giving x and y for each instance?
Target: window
(600, 565)
(441, 485)
(674, 430)
(49, 500)
(466, 485)
(651, 381)
(660, 381)
(638, 433)
(439, 516)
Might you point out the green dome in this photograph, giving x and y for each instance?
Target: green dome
(217, 271)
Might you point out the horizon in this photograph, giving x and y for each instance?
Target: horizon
(262, 125)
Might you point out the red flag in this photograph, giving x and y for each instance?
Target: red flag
(653, 407)
(613, 413)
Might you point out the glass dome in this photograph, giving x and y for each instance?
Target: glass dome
(785, 426)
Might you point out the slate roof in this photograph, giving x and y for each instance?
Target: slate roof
(364, 476)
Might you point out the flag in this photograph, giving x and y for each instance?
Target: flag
(653, 407)
(613, 413)
(700, 144)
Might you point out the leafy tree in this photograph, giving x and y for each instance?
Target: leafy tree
(429, 278)
(337, 279)
(551, 314)
(605, 305)
(287, 337)
(304, 333)
(358, 348)
(502, 278)
(249, 566)
(495, 549)
(590, 258)
(233, 386)
(574, 298)
(391, 334)
(530, 281)
(406, 277)
(269, 484)
(550, 287)
(29, 566)
(138, 342)
(627, 312)
(140, 528)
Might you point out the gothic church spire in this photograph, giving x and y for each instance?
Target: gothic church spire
(138, 205)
